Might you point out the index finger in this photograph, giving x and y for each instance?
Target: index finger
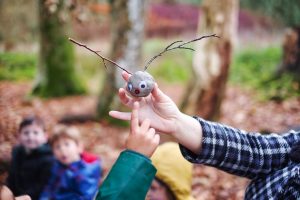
(134, 124)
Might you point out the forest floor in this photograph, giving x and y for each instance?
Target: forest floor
(240, 109)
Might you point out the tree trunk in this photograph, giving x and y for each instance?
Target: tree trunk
(56, 73)
(291, 54)
(127, 21)
(17, 22)
(212, 59)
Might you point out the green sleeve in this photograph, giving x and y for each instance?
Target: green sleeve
(130, 178)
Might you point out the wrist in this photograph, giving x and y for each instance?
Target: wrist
(137, 153)
(182, 122)
(188, 132)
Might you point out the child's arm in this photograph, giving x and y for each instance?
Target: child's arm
(10, 181)
(132, 173)
(47, 188)
(13, 176)
(88, 179)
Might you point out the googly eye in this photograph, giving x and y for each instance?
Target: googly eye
(129, 86)
(143, 84)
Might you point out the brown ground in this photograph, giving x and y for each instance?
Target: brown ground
(240, 109)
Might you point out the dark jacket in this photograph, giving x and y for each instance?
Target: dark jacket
(130, 178)
(29, 172)
(77, 181)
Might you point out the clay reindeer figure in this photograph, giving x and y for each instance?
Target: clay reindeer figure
(141, 83)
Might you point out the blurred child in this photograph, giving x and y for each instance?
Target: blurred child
(75, 173)
(132, 173)
(31, 159)
(173, 180)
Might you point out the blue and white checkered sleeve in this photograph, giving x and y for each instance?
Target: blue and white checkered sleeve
(241, 153)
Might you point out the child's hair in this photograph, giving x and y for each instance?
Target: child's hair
(62, 131)
(30, 120)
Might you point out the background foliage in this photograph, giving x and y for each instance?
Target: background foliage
(286, 11)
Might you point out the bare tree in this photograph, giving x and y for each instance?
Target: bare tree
(16, 19)
(127, 21)
(291, 54)
(288, 13)
(212, 58)
(56, 72)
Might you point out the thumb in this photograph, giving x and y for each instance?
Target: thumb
(158, 95)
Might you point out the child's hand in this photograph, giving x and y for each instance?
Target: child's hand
(142, 138)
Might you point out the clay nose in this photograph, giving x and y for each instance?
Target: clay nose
(136, 91)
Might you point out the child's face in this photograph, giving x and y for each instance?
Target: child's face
(32, 136)
(67, 150)
(157, 192)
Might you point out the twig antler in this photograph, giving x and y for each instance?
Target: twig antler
(180, 46)
(96, 52)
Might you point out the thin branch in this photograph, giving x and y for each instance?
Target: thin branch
(180, 46)
(173, 44)
(96, 52)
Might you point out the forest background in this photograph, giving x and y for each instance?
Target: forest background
(256, 87)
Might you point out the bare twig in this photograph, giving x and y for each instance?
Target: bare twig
(96, 52)
(180, 46)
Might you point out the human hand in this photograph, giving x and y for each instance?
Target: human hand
(157, 107)
(164, 116)
(142, 138)
(23, 197)
(6, 193)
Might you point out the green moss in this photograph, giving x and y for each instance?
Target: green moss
(62, 79)
(22, 67)
(17, 66)
(56, 57)
(254, 69)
